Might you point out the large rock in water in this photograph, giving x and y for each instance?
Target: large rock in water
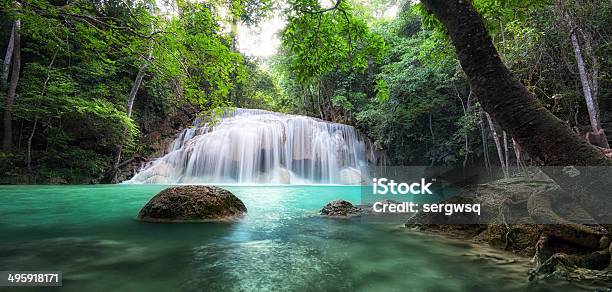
(192, 204)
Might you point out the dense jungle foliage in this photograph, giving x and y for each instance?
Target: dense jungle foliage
(83, 64)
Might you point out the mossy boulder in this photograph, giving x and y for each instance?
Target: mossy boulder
(192, 204)
(340, 208)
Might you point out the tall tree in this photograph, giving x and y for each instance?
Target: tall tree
(112, 172)
(588, 76)
(537, 130)
(10, 97)
(516, 110)
(6, 65)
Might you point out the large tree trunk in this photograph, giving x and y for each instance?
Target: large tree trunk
(519, 113)
(10, 97)
(536, 129)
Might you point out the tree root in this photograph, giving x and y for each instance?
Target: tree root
(540, 208)
(560, 237)
(547, 262)
(607, 152)
(504, 211)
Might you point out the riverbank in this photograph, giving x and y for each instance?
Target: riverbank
(560, 251)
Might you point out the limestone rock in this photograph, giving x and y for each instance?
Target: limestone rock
(192, 204)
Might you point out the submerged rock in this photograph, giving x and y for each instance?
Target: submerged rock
(340, 208)
(192, 204)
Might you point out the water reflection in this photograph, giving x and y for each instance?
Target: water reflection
(91, 235)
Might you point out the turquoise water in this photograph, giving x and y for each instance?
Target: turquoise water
(90, 234)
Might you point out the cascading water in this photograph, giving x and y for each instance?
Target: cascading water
(257, 146)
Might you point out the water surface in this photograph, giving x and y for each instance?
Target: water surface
(90, 234)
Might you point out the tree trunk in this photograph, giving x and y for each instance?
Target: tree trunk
(312, 101)
(517, 154)
(10, 97)
(431, 131)
(519, 113)
(6, 65)
(136, 87)
(466, 108)
(319, 105)
(588, 81)
(112, 173)
(485, 146)
(500, 153)
(586, 84)
(20, 137)
(506, 153)
(29, 154)
(42, 94)
(322, 104)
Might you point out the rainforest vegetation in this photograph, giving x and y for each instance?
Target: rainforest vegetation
(90, 87)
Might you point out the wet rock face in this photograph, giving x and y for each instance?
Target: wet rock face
(340, 208)
(192, 204)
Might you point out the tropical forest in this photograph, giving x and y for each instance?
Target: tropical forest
(246, 117)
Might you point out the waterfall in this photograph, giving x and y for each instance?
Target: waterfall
(257, 147)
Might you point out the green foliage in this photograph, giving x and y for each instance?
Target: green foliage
(397, 80)
(260, 90)
(197, 58)
(404, 90)
(79, 63)
(382, 90)
(408, 94)
(319, 43)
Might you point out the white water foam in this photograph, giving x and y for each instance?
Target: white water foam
(249, 146)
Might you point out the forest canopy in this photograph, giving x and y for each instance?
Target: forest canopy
(89, 87)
